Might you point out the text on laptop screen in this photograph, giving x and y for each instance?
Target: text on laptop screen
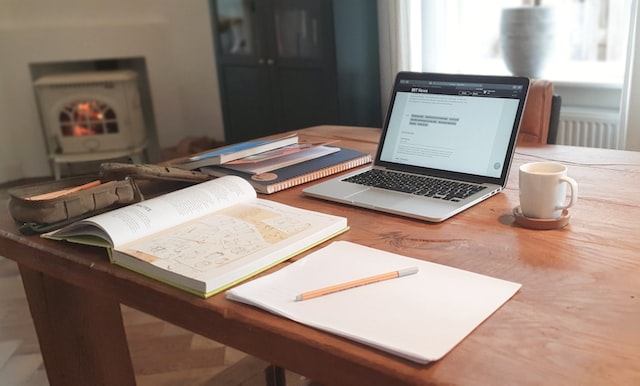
(459, 127)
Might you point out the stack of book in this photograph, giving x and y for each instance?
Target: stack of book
(275, 164)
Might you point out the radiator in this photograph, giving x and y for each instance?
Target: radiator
(591, 128)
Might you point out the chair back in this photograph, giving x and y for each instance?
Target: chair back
(537, 116)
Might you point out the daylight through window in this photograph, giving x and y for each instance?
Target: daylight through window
(464, 36)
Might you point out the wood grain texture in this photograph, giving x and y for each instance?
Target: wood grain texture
(575, 320)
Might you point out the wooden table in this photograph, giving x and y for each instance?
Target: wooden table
(576, 320)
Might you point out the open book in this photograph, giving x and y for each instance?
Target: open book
(206, 237)
(420, 317)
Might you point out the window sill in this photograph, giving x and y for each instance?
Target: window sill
(581, 85)
(576, 75)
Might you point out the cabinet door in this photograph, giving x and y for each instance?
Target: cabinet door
(304, 63)
(246, 85)
(276, 65)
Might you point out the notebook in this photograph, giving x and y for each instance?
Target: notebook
(420, 317)
(293, 175)
(446, 145)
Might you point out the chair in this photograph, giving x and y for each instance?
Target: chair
(541, 114)
(554, 121)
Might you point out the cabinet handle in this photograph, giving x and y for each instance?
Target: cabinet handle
(260, 61)
(270, 62)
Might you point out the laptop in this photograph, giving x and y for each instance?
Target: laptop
(446, 145)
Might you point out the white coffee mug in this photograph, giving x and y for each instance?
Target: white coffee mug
(543, 189)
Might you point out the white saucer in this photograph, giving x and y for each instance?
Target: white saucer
(541, 223)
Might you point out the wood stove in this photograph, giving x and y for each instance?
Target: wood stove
(89, 116)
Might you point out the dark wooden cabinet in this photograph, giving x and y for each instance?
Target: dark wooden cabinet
(278, 67)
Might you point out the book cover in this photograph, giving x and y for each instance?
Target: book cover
(271, 164)
(206, 237)
(297, 174)
(233, 152)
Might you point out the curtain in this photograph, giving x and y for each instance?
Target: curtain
(630, 117)
(394, 44)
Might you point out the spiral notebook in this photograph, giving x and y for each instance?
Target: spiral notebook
(293, 175)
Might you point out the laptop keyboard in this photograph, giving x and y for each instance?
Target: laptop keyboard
(414, 184)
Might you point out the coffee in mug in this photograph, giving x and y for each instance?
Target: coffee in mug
(543, 190)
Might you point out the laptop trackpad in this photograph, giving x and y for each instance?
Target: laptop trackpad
(379, 198)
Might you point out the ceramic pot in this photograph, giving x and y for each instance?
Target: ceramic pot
(528, 37)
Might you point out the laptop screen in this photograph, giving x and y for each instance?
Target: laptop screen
(453, 124)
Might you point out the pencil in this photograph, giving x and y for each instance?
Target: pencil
(59, 193)
(356, 283)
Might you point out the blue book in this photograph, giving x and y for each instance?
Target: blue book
(234, 152)
(300, 173)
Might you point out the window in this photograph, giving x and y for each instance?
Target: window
(464, 36)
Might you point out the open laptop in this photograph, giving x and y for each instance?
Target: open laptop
(455, 129)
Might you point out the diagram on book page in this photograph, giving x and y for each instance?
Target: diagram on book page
(213, 242)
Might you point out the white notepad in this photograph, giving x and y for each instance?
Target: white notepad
(420, 317)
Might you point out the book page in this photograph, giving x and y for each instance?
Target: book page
(129, 223)
(420, 317)
(231, 238)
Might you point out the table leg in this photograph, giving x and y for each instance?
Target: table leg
(275, 376)
(81, 334)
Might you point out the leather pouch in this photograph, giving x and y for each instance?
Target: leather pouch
(45, 206)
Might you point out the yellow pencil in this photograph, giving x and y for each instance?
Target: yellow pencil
(356, 283)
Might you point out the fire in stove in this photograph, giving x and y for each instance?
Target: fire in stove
(87, 118)
(91, 112)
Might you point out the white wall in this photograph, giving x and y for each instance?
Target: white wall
(174, 37)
